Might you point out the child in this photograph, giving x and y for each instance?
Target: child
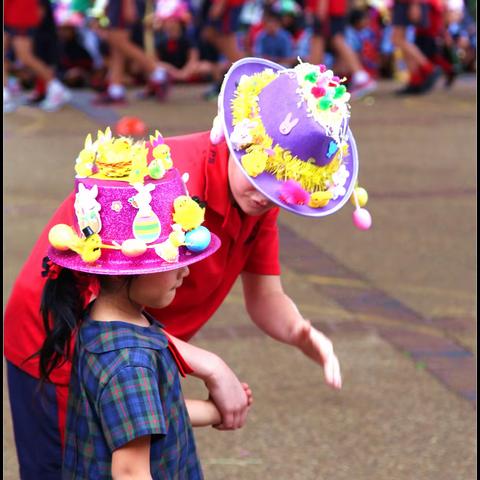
(274, 42)
(174, 43)
(21, 18)
(423, 73)
(139, 232)
(328, 19)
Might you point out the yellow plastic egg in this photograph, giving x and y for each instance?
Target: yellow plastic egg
(61, 237)
(133, 247)
(362, 197)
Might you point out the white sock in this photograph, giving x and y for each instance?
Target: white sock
(360, 77)
(116, 91)
(159, 75)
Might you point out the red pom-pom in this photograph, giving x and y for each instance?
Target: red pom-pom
(130, 126)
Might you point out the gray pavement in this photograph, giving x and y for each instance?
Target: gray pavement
(398, 301)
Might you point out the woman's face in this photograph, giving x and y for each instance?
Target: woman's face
(248, 198)
(156, 290)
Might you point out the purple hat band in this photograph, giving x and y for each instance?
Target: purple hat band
(111, 209)
(278, 101)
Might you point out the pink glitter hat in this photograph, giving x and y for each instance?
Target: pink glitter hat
(133, 213)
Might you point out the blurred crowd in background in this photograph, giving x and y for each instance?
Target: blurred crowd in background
(52, 47)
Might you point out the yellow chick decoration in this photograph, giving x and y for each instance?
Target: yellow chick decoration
(90, 248)
(162, 153)
(319, 199)
(86, 159)
(63, 237)
(167, 251)
(177, 237)
(139, 167)
(188, 213)
(254, 162)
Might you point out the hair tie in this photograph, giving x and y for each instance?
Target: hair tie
(50, 270)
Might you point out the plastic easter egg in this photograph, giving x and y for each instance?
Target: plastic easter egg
(362, 219)
(61, 236)
(362, 197)
(198, 239)
(156, 170)
(133, 247)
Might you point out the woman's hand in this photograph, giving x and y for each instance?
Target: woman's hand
(231, 397)
(315, 345)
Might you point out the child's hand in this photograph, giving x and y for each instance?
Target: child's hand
(248, 393)
(319, 348)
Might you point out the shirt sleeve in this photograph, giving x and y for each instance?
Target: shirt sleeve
(130, 407)
(264, 256)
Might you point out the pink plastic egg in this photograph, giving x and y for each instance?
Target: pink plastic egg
(133, 247)
(362, 219)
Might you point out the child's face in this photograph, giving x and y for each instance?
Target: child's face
(248, 198)
(157, 290)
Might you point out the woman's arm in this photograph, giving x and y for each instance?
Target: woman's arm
(276, 314)
(225, 389)
(132, 461)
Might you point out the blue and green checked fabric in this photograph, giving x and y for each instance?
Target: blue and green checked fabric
(124, 385)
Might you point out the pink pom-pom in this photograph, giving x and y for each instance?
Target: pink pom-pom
(293, 193)
(318, 92)
(362, 219)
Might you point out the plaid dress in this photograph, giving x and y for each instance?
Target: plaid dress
(125, 384)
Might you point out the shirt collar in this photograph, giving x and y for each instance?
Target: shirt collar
(217, 190)
(101, 337)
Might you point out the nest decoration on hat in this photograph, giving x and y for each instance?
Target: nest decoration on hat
(133, 213)
(287, 129)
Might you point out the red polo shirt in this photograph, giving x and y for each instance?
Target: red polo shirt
(249, 244)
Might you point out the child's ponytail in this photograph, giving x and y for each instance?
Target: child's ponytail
(61, 308)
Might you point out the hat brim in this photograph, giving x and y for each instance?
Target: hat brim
(266, 183)
(113, 262)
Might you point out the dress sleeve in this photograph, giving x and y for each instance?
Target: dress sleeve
(130, 407)
(264, 256)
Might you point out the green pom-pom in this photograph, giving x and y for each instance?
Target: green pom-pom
(339, 91)
(324, 103)
(311, 77)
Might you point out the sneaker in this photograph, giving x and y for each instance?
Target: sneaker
(359, 90)
(157, 90)
(105, 98)
(57, 96)
(8, 103)
(410, 90)
(430, 80)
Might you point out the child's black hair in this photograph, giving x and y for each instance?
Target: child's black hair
(61, 308)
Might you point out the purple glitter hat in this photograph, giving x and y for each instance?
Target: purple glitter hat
(133, 214)
(288, 131)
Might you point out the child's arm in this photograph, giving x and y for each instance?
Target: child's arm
(132, 461)
(202, 413)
